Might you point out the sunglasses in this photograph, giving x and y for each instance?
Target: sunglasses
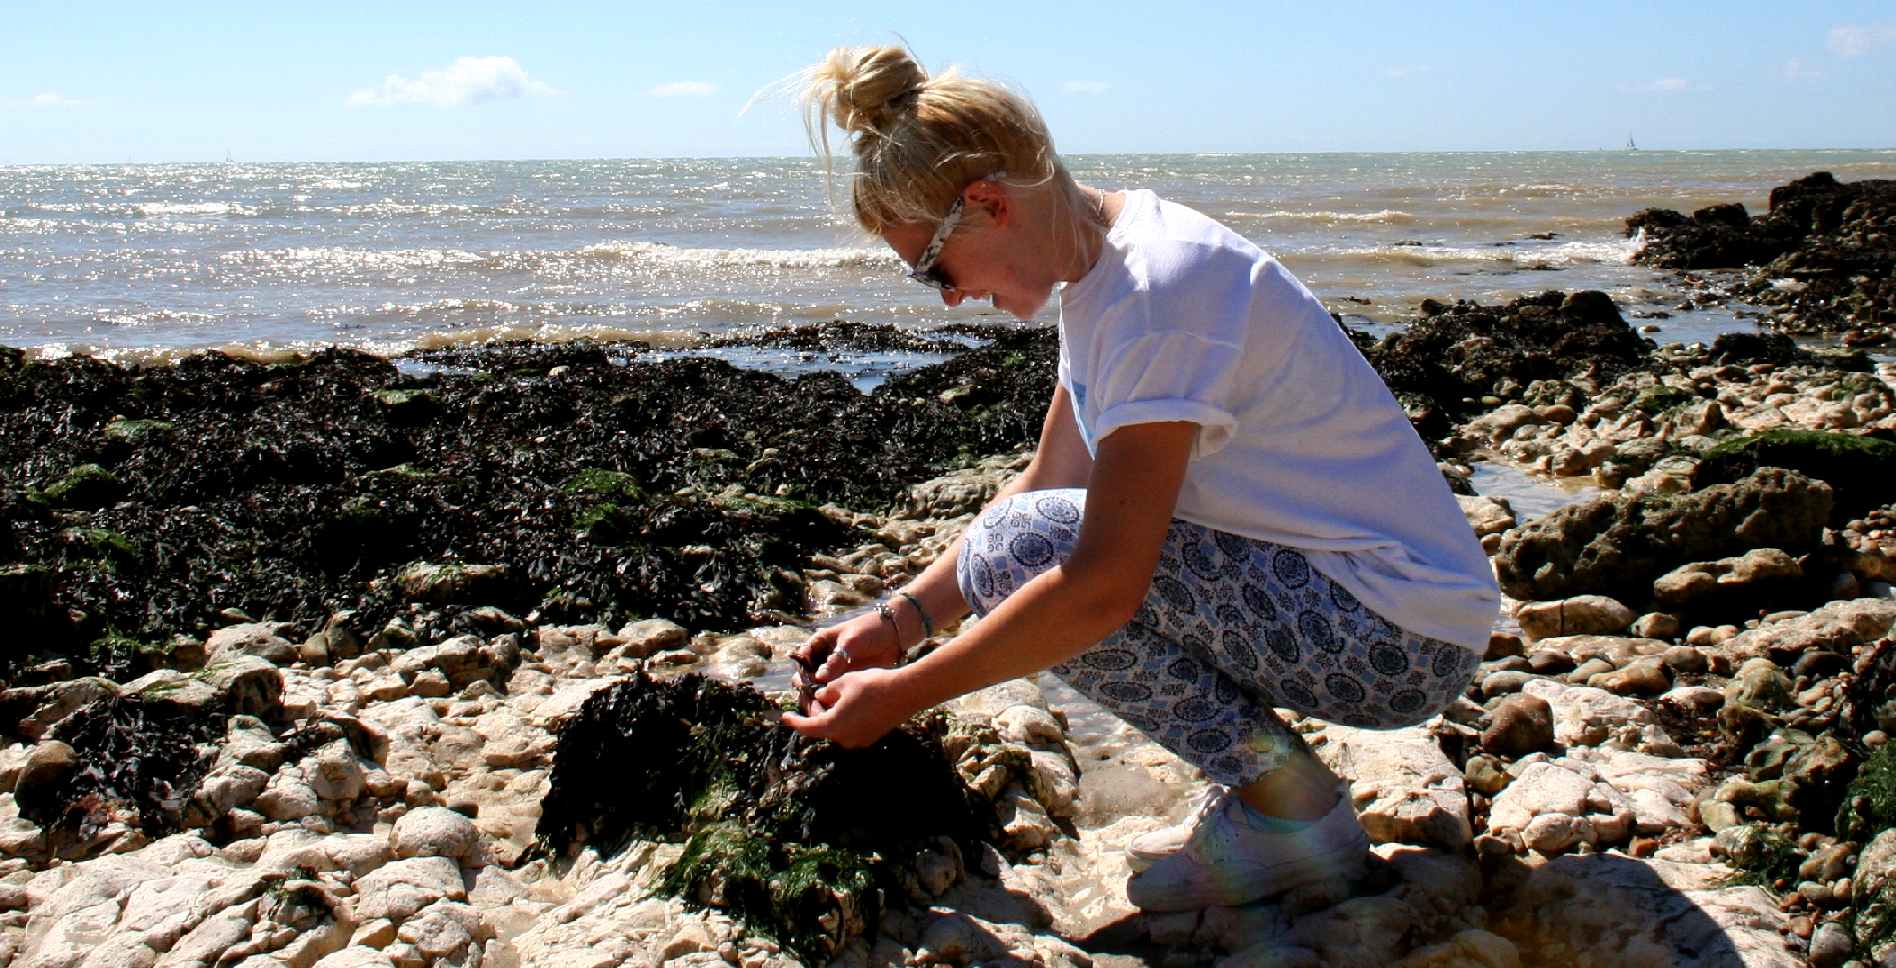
(926, 271)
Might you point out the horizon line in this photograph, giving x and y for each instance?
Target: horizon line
(812, 157)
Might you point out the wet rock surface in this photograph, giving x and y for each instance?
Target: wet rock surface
(1820, 257)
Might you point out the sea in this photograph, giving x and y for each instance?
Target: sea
(135, 262)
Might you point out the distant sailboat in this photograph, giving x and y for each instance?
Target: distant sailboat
(228, 160)
(1630, 145)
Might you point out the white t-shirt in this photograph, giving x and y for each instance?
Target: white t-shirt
(1300, 443)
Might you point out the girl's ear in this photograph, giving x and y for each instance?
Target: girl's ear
(991, 197)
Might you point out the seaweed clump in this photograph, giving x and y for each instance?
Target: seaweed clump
(1443, 366)
(140, 503)
(797, 838)
(133, 762)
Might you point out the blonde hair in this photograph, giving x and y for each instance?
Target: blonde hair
(918, 141)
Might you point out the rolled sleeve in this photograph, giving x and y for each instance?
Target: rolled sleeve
(1171, 377)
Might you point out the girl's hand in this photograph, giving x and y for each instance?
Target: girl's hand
(855, 710)
(863, 642)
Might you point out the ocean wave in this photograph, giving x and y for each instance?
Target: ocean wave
(1606, 252)
(337, 257)
(157, 317)
(1387, 216)
(155, 209)
(663, 255)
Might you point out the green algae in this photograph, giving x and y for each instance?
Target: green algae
(1869, 805)
(1656, 400)
(1763, 856)
(85, 486)
(129, 431)
(1858, 468)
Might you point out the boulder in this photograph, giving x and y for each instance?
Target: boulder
(437, 832)
(1521, 724)
(1618, 545)
(1579, 615)
(265, 640)
(1405, 788)
(250, 685)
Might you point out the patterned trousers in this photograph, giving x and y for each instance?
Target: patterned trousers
(1230, 628)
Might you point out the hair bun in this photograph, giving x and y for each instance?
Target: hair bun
(871, 85)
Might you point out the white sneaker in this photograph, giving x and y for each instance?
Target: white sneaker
(1231, 860)
(1150, 848)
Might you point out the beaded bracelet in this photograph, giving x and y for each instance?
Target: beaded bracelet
(928, 625)
(888, 615)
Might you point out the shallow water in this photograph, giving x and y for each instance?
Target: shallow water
(1530, 496)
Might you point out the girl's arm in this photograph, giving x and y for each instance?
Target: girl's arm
(1131, 492)
(1060, 460)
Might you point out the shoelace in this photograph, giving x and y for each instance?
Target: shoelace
(1208, 801)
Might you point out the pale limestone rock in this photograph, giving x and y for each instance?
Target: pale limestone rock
(444, 929)
(1024, 822)
(1553, 805)
(653, 635)
(399, 889)
(1031, 726)
(52, 703)
(1359, 931)
(1404, 787)
(1609, 909)
(354, 854)
(174, 688)
(1580, 615)
(1694, 700)
(1586, 716)
(437, 832)
(355, 957)
(1660, 789)
(1616, 650)
(1837, 627)
(1054, 783)
(1487, 515)
(250, 684)
(289, 796)
(335, 772)
(265, 640)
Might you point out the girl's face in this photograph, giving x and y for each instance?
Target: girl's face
(985, 257)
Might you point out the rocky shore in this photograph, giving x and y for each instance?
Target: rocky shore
(1820, 260)
(469, 659)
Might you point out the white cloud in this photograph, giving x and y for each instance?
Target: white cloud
(469, 80)
(1090, 88)
(1664, 85)
(1796, 70)
(1855, 40)
(684, 89)
(48, 99)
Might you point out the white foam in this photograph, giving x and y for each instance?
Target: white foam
(1606, 252)
(659, 254)
(150, 209)
(336, 256)
(1388, 216)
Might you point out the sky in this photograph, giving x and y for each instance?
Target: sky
(113, 81)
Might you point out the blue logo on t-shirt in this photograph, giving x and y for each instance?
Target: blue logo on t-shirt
(1078, 391)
